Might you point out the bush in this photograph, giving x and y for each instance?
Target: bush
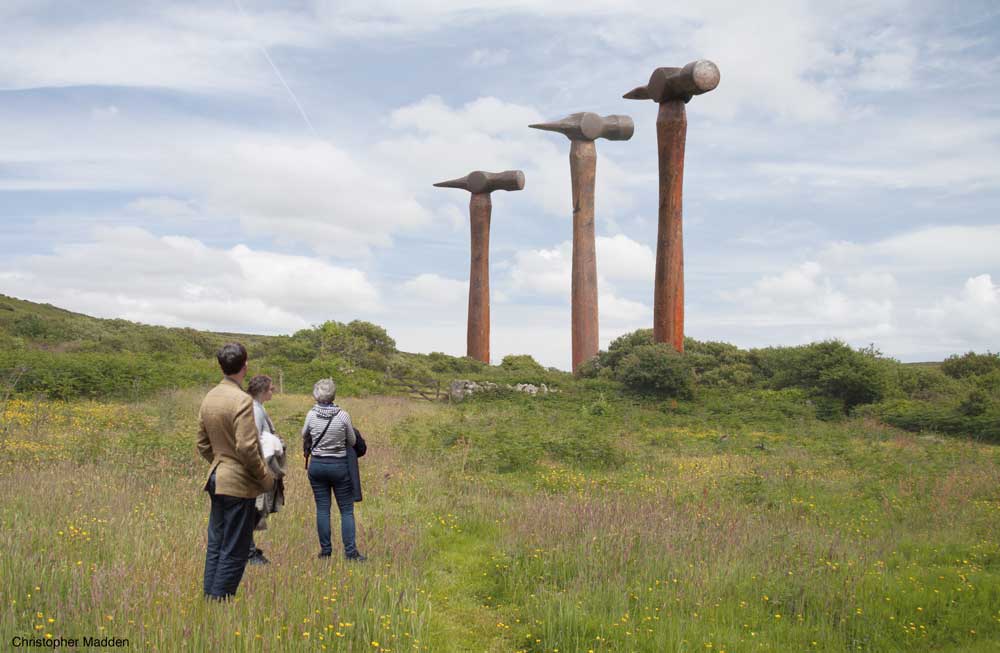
(829, 370)
(624, 345)
(523, 369)
(444, 364)
(106, 376)
(656, 369)
(719, 364)
(925, 383)
(972, 418)
(359, 342)
(969, 364)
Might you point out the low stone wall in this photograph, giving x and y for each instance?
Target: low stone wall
(460, 389)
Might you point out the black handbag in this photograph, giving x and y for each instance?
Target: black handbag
(360, 446)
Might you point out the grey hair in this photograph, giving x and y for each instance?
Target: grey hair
(324, 391)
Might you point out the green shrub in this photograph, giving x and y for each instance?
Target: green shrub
(523, 369)
(359, 342)
(444, 364)
(971, 418)
(299, 377)
(624, 345)
(656, 369)
(925, 383)
(831, 371)
(969, 364)
(106, 376)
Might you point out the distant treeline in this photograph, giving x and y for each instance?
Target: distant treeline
(48, 351)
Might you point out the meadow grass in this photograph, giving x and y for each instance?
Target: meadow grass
(567, 523)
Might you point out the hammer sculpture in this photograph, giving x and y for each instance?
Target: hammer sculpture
(481, 184)
(672, 88)
(583, 129)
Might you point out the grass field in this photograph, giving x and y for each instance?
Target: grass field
(546, 524)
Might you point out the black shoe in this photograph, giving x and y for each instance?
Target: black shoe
(323, 555)
(357, 557)
(258, 559)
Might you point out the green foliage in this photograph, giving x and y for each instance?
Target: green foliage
(656, 369)
(359, 342)
(119, 376)
(524, 369)
(301, 347)
(970, 364)
(352, 381)
(719, 364)
(511, 432)
(444, 364)
(833, 372)
(925, 383)
(622, 346)
(975, 416)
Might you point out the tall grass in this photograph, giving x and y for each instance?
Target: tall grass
(569, 523)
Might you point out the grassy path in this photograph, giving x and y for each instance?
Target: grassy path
(458, 543)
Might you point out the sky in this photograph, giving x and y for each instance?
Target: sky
(262, 167)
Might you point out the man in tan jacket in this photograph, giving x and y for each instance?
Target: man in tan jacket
(228, 438)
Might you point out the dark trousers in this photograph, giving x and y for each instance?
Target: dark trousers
(326, 474)
(230, 530)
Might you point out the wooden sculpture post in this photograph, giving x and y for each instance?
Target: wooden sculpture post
(481, 184)
(583, 129)
(672, 88)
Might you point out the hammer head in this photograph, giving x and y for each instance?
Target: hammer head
(590, 126)
(678, 83)
(486, 182)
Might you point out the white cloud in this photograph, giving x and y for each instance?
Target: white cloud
(434, 290)
(617, 310)
(208, 50)
(179, 281)
(485, 57)
(294, 189)
(310, 191)
(973, 316)
(621, 258)
(434, 141)
(546, 271)
(935, 248)
(808, 296)
(162, 207)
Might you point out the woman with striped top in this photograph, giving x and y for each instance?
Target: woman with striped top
(326, 435)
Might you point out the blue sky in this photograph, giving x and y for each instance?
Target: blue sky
(842, 181)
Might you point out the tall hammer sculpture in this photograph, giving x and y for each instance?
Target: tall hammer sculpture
(672, 88)
(583, 129)
(481, 184)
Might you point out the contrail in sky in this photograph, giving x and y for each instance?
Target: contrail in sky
(281, 78)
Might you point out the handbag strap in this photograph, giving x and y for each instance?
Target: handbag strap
(320, 438)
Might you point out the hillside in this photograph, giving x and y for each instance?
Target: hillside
(44, 326)
(50, 352)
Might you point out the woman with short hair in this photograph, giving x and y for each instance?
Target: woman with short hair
(326, 436)
(261, 389)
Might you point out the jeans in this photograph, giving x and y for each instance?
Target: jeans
(326, 474)
(230, 529)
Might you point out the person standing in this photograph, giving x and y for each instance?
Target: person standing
(228, 439)
(328, 436)
(261, 389)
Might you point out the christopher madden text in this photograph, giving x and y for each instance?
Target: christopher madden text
(69, 642)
